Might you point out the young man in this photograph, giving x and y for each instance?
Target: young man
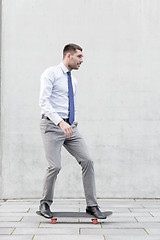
(59, 128)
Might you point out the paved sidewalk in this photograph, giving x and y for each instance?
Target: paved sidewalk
(132, 219)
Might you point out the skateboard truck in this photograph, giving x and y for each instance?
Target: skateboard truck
(54, 220)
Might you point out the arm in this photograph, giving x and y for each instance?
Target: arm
(47, 81)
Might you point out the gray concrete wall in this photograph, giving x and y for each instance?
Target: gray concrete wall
(0, 108)
(118, 93)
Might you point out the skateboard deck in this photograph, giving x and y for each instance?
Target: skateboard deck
(72, 215)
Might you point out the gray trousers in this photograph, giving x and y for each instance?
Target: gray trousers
(53, 139)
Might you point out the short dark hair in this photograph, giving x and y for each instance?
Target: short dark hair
(71, 47)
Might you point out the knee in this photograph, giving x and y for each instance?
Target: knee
(90, 163)
(87, 163)
(54, 169)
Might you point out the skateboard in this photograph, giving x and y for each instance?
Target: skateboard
(72, 215)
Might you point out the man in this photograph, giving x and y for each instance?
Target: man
(59, 128)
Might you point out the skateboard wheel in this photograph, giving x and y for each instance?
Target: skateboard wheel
(53, 220)
(94, 221)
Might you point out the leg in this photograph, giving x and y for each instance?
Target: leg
(53, 139)
(77, 147)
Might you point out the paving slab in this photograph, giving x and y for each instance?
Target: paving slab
(34, 219)
(15, 206)
(155, 214)
(148, 219)
(130, 225)
(17, 237)
(134, 210)
(23, 200)
(70, 224)
(17, 214)
(121, 219)
(19, 224)
(151, 205)
(132, 232)
(122, 237)
(19, 203)
(6, 230)
(46, 231)
(10, 219)
(129, 214)
(147, 199)
(116, 199)
(111, 205)
(68, 237)
(13, 210)
(154, 231)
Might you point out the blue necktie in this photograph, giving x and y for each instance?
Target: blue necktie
(71, 99)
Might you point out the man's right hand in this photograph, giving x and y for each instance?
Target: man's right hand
(67, 129)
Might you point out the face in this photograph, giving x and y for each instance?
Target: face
(75, 60)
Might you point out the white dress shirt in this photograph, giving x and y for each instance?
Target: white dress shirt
(54, 101)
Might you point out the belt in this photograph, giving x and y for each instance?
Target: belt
(45, 117)
(65, 119)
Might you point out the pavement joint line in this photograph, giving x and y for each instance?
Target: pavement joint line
(28, 210)
(104, 237)
(39, 224)
(130, 210)
(136, 219)
(21, 219)
(33, 236)
(151, 214)
(142, 205)
(13, 231)
(146, 231)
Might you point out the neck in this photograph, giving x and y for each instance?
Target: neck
(67, 66)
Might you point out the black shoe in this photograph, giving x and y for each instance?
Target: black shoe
(95, 211)
(45, 210)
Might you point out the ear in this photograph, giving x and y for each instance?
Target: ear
(68, 55)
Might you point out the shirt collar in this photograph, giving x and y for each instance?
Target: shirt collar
(64, 68)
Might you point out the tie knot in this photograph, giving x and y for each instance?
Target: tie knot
(69, 74)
